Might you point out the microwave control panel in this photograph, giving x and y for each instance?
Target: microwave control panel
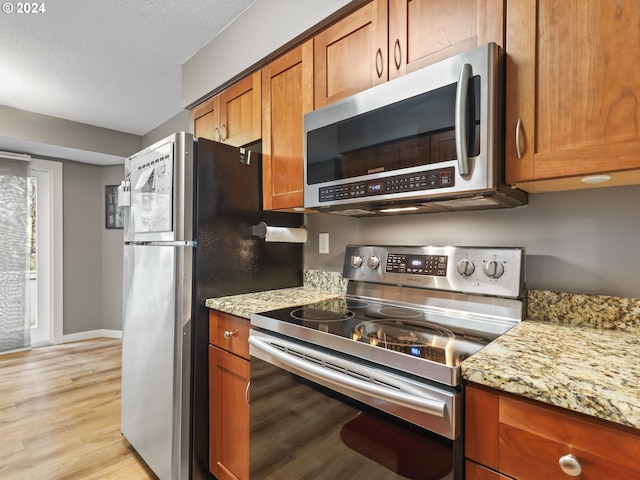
(408, 182)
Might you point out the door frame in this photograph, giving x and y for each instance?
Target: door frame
(54, 169)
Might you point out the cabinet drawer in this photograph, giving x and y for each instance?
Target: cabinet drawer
(533, 439)
(229, 332)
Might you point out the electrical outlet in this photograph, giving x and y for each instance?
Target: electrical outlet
(323, 243)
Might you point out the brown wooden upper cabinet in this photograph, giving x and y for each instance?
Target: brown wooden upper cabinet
(233, 116)
(388, 38)
(351, 55)
(206, 118)
(572, 92)
(423, 32)
(287, 94)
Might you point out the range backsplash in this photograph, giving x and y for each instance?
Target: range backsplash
(599, 311)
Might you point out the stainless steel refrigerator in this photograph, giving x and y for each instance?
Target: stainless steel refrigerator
(190, 208)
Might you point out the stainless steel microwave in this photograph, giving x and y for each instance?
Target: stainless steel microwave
(429, 141)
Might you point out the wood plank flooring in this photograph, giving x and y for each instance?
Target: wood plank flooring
(60, 414)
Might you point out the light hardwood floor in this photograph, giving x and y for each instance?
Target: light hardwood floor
(60, 414)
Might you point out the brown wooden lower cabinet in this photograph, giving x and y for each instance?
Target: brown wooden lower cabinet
(474, 471)
(228, 391)
(528, 440)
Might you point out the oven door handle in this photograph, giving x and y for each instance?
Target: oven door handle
(325, 375)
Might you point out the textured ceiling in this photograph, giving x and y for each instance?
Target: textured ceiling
(114, 64)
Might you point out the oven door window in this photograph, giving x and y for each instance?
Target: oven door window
(302, 430)
(417, 131)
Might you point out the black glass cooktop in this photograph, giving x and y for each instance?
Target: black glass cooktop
(417, 332)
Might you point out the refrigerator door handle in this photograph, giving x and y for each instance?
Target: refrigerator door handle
(177, 243)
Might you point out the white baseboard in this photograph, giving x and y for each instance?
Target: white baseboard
(76, 337)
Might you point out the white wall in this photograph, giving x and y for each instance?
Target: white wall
(581, 242)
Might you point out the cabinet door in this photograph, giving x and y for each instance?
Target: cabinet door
(473, 471)
(422, 32)
(481, 426)
(572, 89)
(228, 415)
(351, 55)
(240, 116)
(206, 119)
(287, 94)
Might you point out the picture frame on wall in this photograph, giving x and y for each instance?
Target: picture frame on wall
(113, 215)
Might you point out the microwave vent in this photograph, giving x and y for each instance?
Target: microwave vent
(353, 212)
(468, 202)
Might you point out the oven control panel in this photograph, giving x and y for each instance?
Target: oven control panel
(433, 265)
(495, 271)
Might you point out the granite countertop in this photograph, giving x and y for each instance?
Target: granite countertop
(246, 304)
(584, 369)
(579, 352)
(318, 286)
(576, 352)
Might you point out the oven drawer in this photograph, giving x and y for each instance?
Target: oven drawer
(229, 332)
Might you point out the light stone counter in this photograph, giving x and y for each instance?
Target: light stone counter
(245, 305)
(317, 286)
(577, 352)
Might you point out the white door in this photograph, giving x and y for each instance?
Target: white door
(46, 252)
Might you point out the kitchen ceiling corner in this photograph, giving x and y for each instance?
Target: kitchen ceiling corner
(115, 65)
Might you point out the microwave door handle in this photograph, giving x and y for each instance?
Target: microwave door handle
(464, 165)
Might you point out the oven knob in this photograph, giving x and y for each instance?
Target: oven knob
(356, 261)
(373, 262)
(494, 269)
(466, 267)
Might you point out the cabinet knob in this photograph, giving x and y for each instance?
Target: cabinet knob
(223, 132)
(570, 465)
(228, 334)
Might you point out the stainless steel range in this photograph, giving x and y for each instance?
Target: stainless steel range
(391, 348)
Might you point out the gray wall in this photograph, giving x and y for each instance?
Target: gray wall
(181, 122)
(82, 258)
(47, 136)
(581, 242)
(112, 252)
(92, 260)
